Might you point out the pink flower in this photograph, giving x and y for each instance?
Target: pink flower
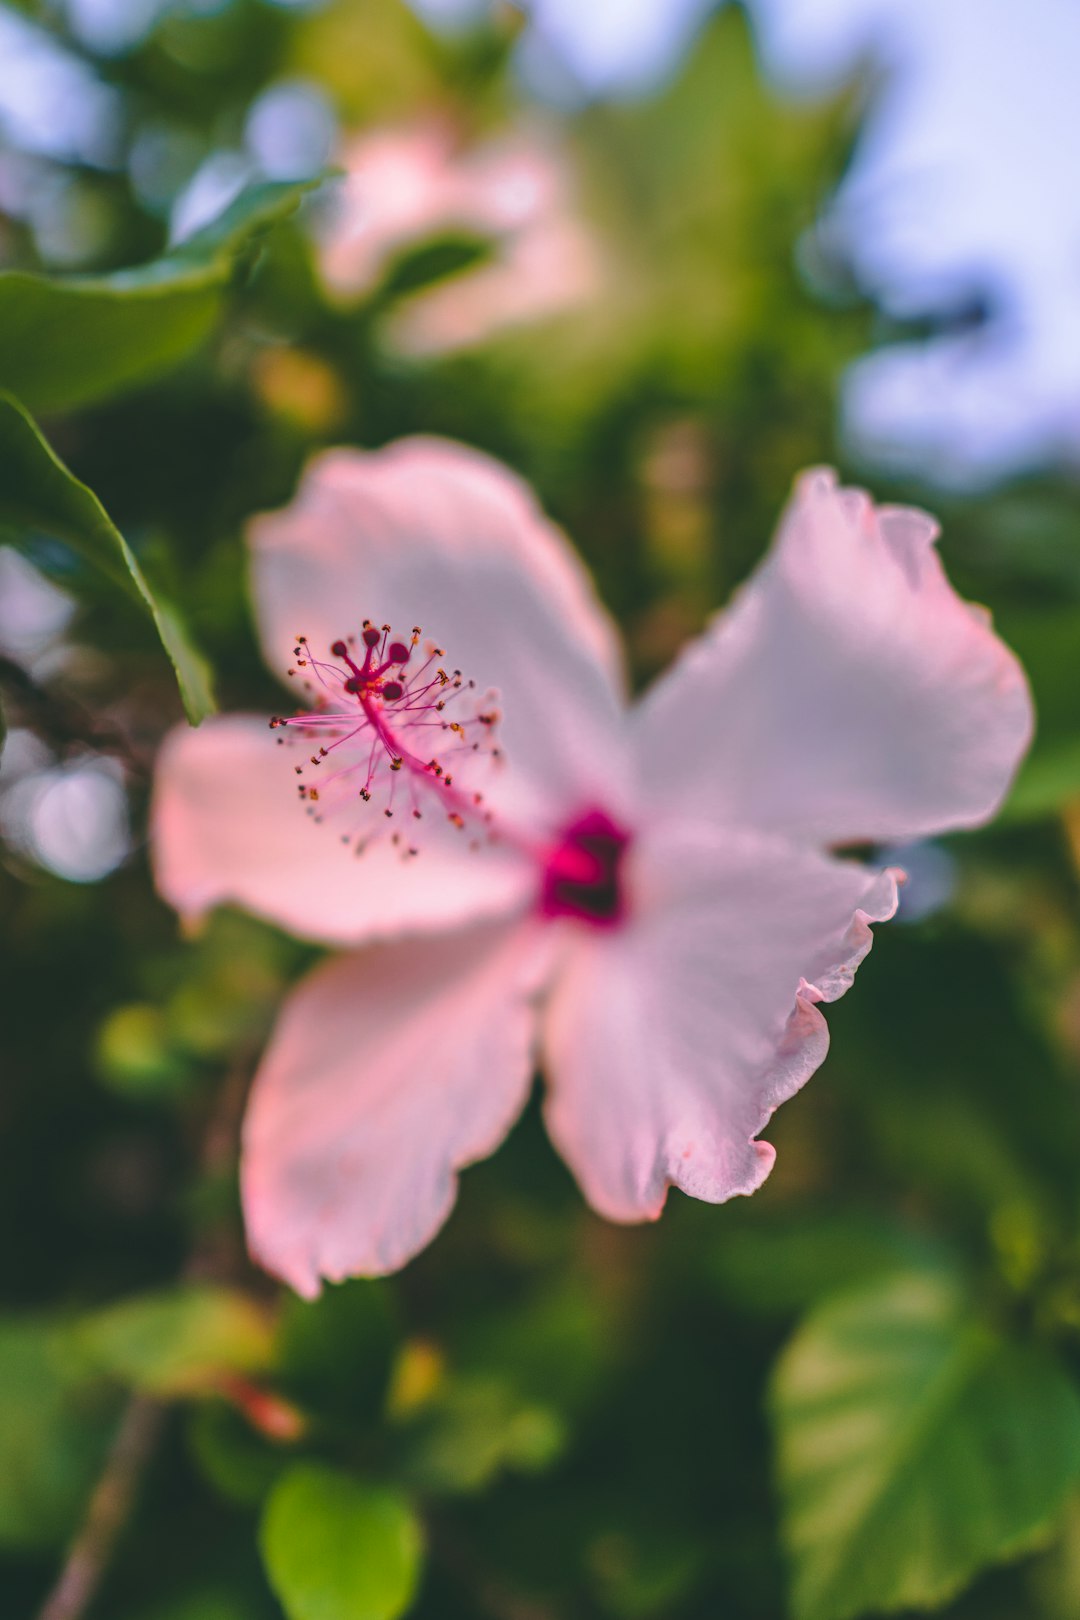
(407, 185)
(641, 896)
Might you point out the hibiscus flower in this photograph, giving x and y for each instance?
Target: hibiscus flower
(412, 183)
(644, 898)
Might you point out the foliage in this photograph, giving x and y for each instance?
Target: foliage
(41, 494)
(855, 1392)
(916, 1444)
(333, 1547)
(68, 341)
(53, 1427)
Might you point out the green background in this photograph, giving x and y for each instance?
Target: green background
(854, 1393)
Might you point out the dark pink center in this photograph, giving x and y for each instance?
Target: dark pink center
(583, 874)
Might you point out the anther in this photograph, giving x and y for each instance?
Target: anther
(376, 723)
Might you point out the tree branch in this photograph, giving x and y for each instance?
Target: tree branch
(108, 1511)
(113, 1497)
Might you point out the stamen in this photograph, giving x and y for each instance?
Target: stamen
(372, 725)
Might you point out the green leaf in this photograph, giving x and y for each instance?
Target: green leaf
(38, 492)
(335, 1549)
(204, 1603)
(1047, 782)
(177, 1342)
(134, 1055)
(646, 1571)
(1045, 641)
(915, 1446)
(783, 1264)
(474, 1429)
(421, 267)
(68, 341)
(335, 1353)
(53, 1431)
(238, 1462)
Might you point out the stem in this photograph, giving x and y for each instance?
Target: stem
(108, 1511)
(113, 1497)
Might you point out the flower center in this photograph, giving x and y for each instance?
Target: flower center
(583, 874)
(391, 725)
(389, 729)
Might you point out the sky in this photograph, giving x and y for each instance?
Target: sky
(963, 192)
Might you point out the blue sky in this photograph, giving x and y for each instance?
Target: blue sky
(964, 186)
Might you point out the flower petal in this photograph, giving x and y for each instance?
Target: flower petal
(668, 1043)
(847, 695)
(399, 188)
(389, 1070)
(226, 827)
(428, 532)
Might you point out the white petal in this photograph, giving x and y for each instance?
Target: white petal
(847, 695)
(669, 1042)
(390, 1070)
(226, 827)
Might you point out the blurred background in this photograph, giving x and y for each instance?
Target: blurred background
(658, 255)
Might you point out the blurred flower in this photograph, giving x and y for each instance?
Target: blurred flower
(290, 129)
(647, 893)
(51, 101)
(299, 386)
(930, 878)
(70, 818)
(34, 613)
(278, 1419)
(416, 183)
(215, 184)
